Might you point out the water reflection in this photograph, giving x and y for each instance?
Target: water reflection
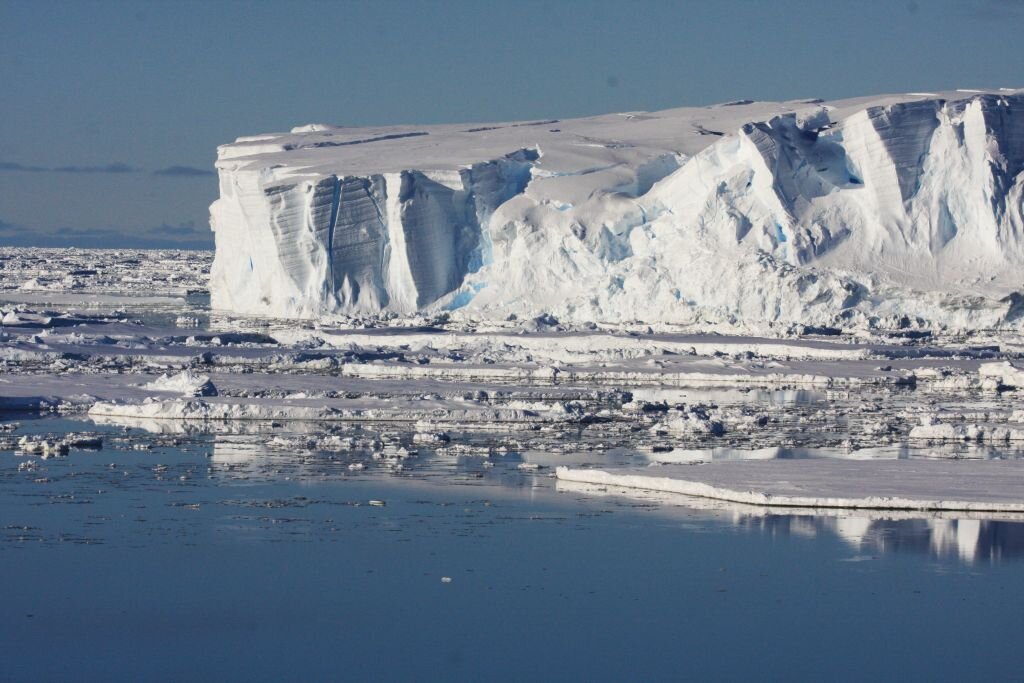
(969, 540)
(965, 537)
(282, 455)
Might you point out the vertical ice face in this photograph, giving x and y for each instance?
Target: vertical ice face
(806, 161)
(271, 244)
(301, 246)
(491, 184)
(906, 131)
(438, 237)
(357, 240)
(1004, 124)
(917, 180)
(967, 205)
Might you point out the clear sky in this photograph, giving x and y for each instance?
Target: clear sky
(110, 112)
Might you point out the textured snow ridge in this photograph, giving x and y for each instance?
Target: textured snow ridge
(185, 382)
(891, 211)
(152, 409)
(890, 485)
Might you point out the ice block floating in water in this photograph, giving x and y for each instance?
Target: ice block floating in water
(991, 486)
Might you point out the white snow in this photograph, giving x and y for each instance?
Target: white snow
(892, 211)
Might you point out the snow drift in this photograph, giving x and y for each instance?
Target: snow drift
(891, 211)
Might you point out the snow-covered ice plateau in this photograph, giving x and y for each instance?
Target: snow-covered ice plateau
(889, 212)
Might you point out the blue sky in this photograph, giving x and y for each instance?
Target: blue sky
(111, 111)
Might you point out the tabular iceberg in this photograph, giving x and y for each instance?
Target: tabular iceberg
(886, 211)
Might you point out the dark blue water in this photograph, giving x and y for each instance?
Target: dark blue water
(274, 566)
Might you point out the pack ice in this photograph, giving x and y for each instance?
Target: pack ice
(889, 211)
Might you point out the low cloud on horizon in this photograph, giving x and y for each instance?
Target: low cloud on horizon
(184, 171)
(114, 167)
(187, 228)
(186, 235)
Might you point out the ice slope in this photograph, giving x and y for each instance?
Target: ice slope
(883, 211)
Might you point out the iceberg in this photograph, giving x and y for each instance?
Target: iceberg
(890, 212)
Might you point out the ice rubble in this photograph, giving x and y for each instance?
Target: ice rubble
(186, 382)
(100, 276)
(524, 396)
(886, 211)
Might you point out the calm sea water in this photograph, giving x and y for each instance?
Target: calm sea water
(216, 559)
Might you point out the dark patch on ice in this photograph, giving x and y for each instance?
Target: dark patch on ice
(704, 131)
(1016, 309)
(224, 338)
(481, 129)
(547, 122)
(379, 138)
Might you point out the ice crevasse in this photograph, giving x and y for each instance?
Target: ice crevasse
(888, 211)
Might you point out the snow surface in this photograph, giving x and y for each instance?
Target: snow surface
(889, 212)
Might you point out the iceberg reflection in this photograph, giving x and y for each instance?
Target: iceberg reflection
(969, 538)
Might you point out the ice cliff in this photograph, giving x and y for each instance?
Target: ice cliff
(889, 211)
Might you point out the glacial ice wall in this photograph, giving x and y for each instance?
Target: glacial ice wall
(304, 245)
(885, 211)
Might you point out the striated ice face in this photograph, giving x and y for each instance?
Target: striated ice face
(395, 241)
(886, 211)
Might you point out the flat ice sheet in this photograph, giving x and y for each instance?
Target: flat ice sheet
(996, 486)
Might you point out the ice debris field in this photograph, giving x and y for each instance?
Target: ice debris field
(799, 304)
(402, 394)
